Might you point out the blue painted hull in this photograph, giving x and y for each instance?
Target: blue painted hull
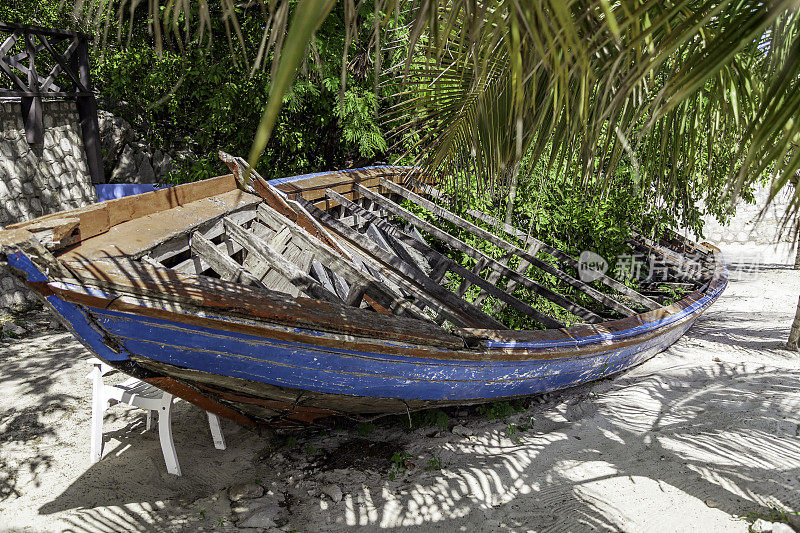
(254, 354)
(342, 379)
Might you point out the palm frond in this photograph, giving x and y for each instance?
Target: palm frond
(702, 94)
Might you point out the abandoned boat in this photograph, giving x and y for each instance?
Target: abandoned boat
(320, 295)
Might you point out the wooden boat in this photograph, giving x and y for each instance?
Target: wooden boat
(318, 295)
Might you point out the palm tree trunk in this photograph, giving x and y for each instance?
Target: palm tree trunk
(794, 333)
(512, 194)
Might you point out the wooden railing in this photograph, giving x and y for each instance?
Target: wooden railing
(41, 63)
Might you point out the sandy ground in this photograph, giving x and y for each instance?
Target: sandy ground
(704, 437)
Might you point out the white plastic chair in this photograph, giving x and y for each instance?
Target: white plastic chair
(145, 396)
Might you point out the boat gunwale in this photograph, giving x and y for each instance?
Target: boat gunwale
(507, 342)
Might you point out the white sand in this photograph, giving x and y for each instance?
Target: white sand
(697, 439)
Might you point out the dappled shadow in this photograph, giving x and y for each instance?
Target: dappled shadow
(133, 456)
(736, 329)
(720, 432)
(30, 369)
(710, 431)
(687, 434)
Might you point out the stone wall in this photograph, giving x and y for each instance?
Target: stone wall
(39, 179)
(746, 228)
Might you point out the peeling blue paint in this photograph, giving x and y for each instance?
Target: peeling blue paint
(311, 367)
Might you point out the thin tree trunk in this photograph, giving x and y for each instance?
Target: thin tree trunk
(512, 195)
(797, 256)
(794, 333)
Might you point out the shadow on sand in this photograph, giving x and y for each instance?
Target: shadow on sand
(675, 425)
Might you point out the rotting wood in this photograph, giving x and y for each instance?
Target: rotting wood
(588, 290)
(445, 264)
(493, 278)
(139, 235)
(688, 269)
(420, 298)
(56, 233)
(251, 262)
(223, 265)
(453, 242)
(462, 289)
(271, 277)
(458, 310)
(693, 247)
(409, 293)
(98, 218)
(210, 228)
(538, 245)
(440, 269)
(324, 277)
(260, 248)
(522, 268)
(289, 209)
(126, 276)
(338, 264)
(675, 270)
(196, 264)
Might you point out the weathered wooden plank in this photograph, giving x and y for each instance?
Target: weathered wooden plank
(477, 254)
(416, 297)
(590, 291)
(537, 245)
(324, 277)
(227, 268)
(305, 260)
(279, 282)
(210, 229)
(694, 247)
(271, 277)
(288, 209)
(55, 233)
(196, 264)
(387, 243)
(260, 248)
(686, 268)
(440, 269)
(457, 309)
(251, 262)
(139, 235)
(99, 218)
(376, 290)
(250, 306)
(445, 264)
(522, 268)
(462, 289)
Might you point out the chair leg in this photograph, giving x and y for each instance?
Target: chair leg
(98, 409)
(148, 421)
(165, 435)
(216, 431)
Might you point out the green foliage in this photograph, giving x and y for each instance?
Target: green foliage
(514, 430)
(501, 410)
(197, 96)
(365, 428)
(776, 514)
(311, 450)
(435, 463)
(423, 419)
(38, 13)
(398, 466)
